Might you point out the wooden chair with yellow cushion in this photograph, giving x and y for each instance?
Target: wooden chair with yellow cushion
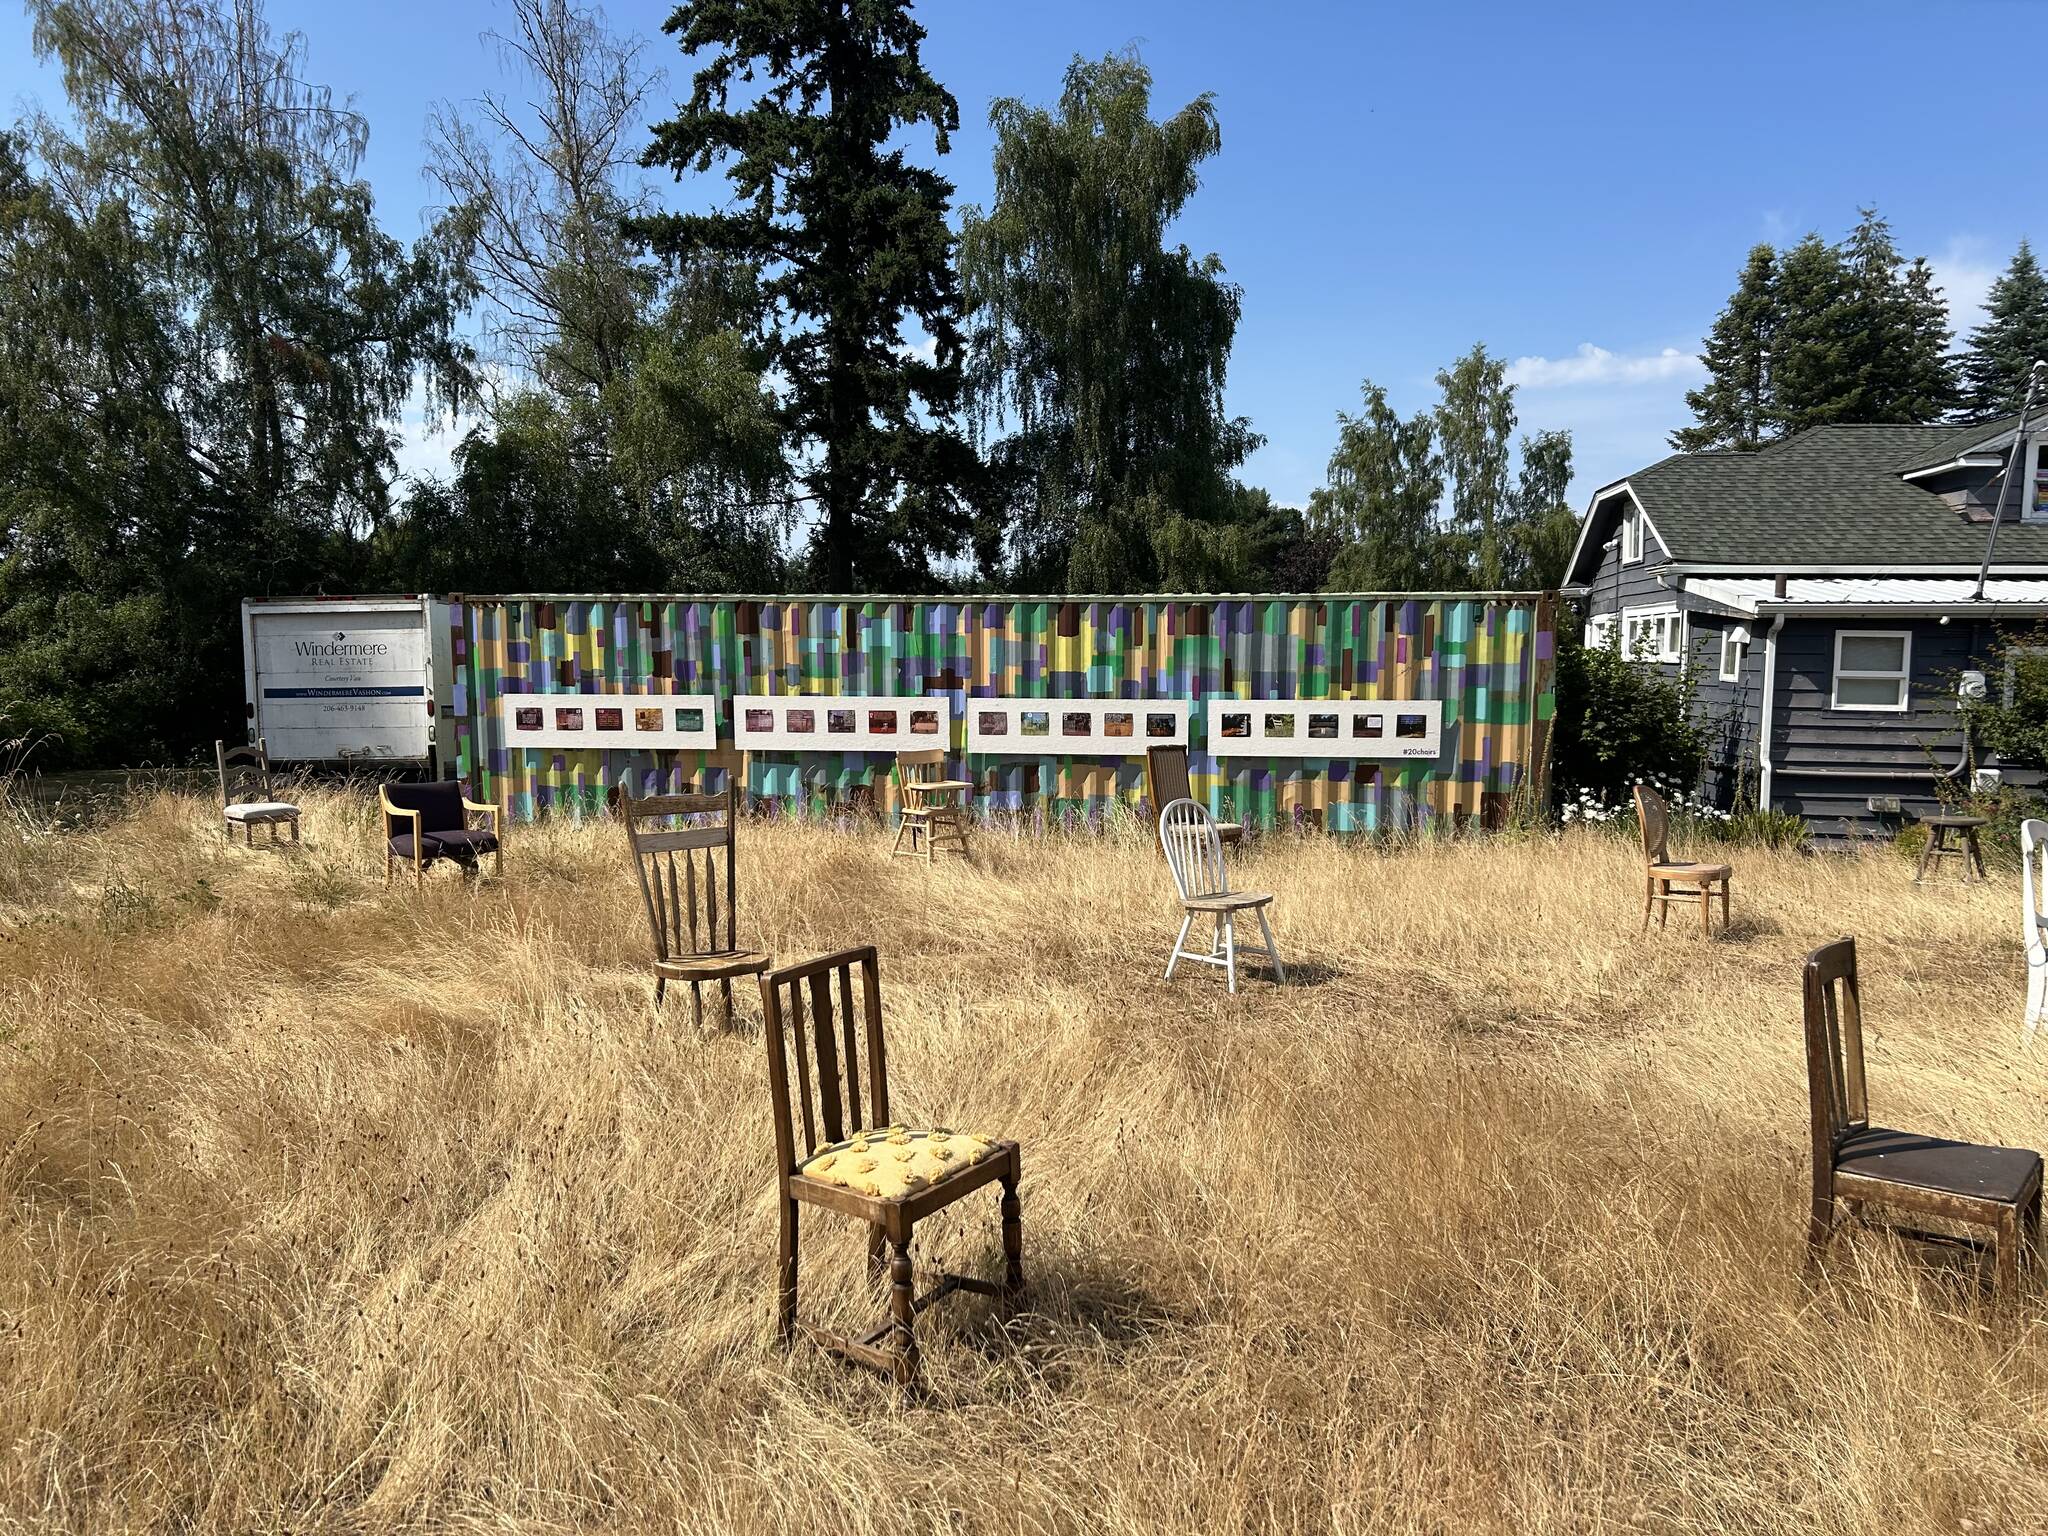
(1166, 780)
(933, 810)
(1668, 880)
(683, 951)
(848, 1156)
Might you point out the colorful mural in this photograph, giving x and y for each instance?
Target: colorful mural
(1488, 659)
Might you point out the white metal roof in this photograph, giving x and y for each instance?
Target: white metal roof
(1900, 594)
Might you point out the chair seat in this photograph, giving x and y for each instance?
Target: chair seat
(939, 786)
(2002, 1174)
(1227, 901)
(714, 967)
(1230, 831)
(1692, 871)
(894, 1162)
(262, 810)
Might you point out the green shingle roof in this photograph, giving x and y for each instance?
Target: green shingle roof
(1828, 496)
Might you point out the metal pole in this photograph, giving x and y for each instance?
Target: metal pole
(2005, 476)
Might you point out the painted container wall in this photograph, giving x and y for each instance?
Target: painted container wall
(1489, 659)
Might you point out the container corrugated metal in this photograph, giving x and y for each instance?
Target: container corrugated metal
(1488, 656)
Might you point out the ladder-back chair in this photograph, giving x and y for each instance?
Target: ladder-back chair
(246, 798)
(2034, 936)
(1668, 880)
(675, 893)
(1857, 1162)
(834, 1149)
(1194, 853)
(934, 810)
(1166, 780)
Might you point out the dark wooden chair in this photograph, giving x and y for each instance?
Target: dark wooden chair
(861, 1164)
(246, 798)
(1166, 780)
(425, 822)
(933, 811)
(1668, 880)
(1856, 1162)
(682, 950)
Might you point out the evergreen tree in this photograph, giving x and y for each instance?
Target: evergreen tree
(1542, 527)
(2013, 337)
(1894, 333)
(1101, 350)
(1809, 373)
(852, 242)
(1733, 408)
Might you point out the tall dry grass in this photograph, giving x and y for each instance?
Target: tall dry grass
(336, 1209)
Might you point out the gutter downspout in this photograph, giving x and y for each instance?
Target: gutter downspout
(1763, 743)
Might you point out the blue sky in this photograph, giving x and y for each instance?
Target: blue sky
(1575, 185)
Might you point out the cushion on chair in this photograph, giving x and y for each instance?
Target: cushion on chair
(401, 847)
(892, 1162)
(262, 810)
(1929, 1162)
(466, 844)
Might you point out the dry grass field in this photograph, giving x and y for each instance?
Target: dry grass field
(333, 1209)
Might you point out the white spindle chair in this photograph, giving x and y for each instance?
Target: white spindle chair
(1194, 852)
(2033, 873)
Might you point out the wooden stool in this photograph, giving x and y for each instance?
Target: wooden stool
(1942, 844)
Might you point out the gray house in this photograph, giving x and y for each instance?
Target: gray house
(1825, 590)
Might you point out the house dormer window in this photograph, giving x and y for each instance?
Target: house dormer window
(1631, 534)
(2034, 490)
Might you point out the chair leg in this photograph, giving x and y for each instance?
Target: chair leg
(1820, 1227)
(785, 1276)
(1272, 949)
(1707, 911)
(1927, 854)
(1186, 922)
(697, 1005)
(2008, 1282)
(1013, 1242)
(660, 991)
(1229, 920)
(902, 1313)
(1725, 884)
(1664, 905)
(1649, 899)
(2037, 991)
(1976, 852)
(725, 992)
(878, 1255)
(2030, 1233)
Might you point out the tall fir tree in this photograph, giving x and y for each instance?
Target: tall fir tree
(1733, 408)
(1809, 369)
(2012, 338)
(852, 241)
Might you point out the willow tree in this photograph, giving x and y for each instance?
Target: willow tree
(1098, 353)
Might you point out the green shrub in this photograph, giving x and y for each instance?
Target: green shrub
(1621, 721)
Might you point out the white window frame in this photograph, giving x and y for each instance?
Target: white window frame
(1671, 633)
(1734, 652)
(1599, 630)
(2035, 469)
(1632, 534)
(1903, 677)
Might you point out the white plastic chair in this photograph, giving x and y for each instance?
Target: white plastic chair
(2033, 872)
(1194, 852)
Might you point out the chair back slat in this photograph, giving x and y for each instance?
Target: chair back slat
(1166, 777)
(1653, 818)
(1834, 1048)
(682, 918)
(244, 772)
(1194, 852)
(2033, 882)
(796, 1046)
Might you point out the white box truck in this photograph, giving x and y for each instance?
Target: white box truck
(345, 679)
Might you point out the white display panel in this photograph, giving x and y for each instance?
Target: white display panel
(820, 723)
(663, 722)
(1350, 728)
(1082, 727)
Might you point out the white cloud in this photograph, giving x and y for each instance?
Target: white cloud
(1593, 365)
(1965, 270)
